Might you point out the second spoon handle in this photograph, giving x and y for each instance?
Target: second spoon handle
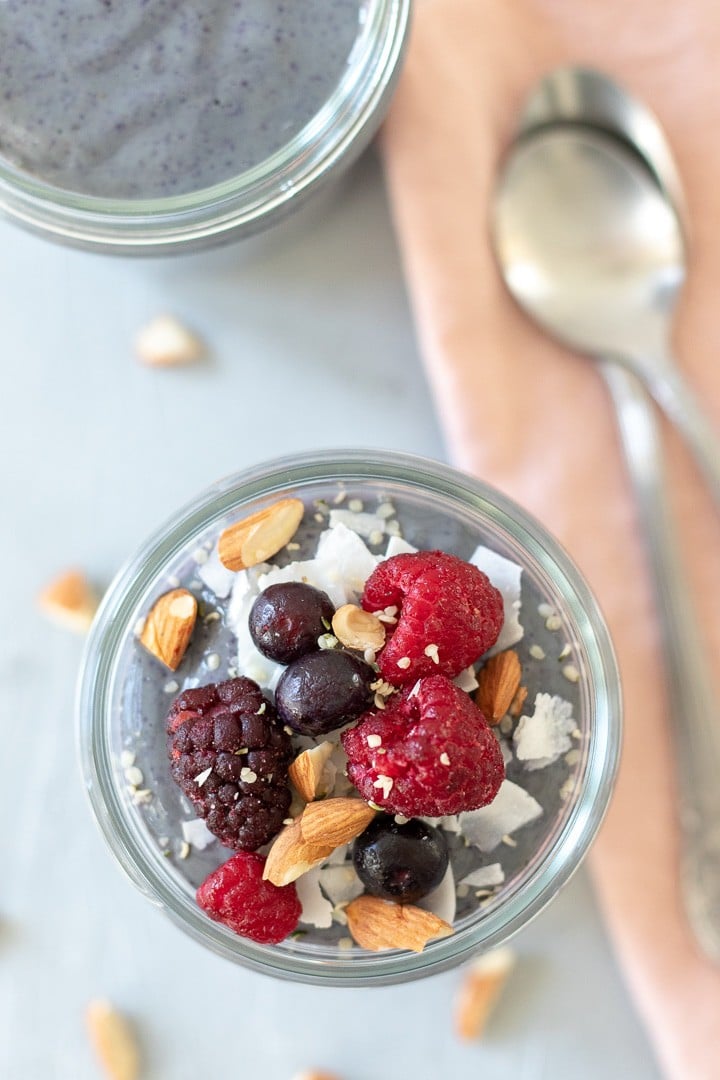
(694, 711)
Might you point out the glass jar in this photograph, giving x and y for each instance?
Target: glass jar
(437, 507)
(235, 206)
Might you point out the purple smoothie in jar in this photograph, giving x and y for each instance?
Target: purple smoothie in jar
(158, 98)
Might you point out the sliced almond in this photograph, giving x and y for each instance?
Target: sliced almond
(113, 1040)
(169, 626)
(358, 629)
(322, 827)
(480, 990)
(70, 600)
(261, 535)
(498, 683)
(165, 342)
(306, 771)
(517, 703)
(377, 924)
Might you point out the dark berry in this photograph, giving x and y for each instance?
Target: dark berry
(432, 753)
(230, 756)
(236, 895)
(400, 862)
(287, 619)
(323, 690)
(446, 606)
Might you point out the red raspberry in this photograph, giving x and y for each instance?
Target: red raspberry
(436, 755)
(236, 895)
(443, 602)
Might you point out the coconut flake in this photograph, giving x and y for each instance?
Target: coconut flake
(397, 546)
(197, 834)
(363, 524)
(505, 575)
(215, 576)
(466, 680)
(442, 900)
(316, 909)
(511, 808)
(541, 738)
(485, 876)
(340, 883)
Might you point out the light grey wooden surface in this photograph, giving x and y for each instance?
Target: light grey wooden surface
(312, 345)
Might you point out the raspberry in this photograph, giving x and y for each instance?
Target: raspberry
(230, 756)
(447, 607)
(236, 895)
(436, 755)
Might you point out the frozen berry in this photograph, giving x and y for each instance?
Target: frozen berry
(230, 756)
(236, 896)
(400, 862)
(429, 753)
(449, 614)
(323, 690)
(287, 619)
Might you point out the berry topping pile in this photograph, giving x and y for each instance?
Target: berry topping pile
(236, 895)
(449, 614)
(287, 619)
(324, 690)
(429, 753)
(230, 756)
(400, 862)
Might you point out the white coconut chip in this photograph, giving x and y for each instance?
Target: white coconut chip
(316, 908)
(485, 877)
(541, 738)
(397, 546)
(466, 680)
(505, 575)
(511, 808)
(363, 524)
(450, 823)
(215, 576)
(197, 834)
(442, 901)
(340, 883)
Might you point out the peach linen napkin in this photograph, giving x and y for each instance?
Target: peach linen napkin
(536, 421)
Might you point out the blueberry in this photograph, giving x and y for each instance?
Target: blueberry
(400, 862)
(323, 690)
(287, 619)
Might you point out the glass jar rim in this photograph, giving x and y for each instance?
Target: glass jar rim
(583, 818)
(247, 202)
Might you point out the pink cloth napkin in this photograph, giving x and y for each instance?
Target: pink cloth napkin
(537, 422)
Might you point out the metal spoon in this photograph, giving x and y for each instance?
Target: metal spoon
(581, 275)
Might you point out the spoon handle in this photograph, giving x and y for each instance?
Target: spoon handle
(675, 397)
(693, 705)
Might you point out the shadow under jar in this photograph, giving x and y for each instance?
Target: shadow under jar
(124, 697)
(148, 127)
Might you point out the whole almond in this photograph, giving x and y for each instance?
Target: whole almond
(306, 771)
(498, 682)
(261, 535)
(377, 924)
(113, 1041)
(169, 626)
(165, 342)
(316, 833)
(480, 990)
(70, 600)
(358, 629)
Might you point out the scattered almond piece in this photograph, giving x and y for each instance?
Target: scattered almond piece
(306, 771)
(314, 1074)
(517, 703)
(377, 924)
(261, 535)
(169, 626)
(113, 1040)
(165, 342)
(479, 991)
(498, 682)
(70, 600)
(321, 828)
(358, 629)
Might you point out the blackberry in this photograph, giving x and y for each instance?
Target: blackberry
(229, 754)
(287, 619)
